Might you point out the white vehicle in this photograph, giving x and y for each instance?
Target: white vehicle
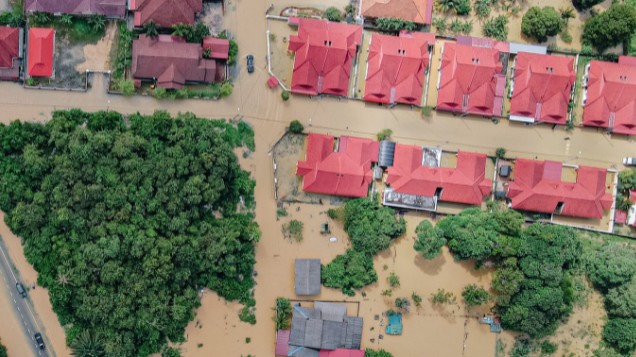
(629, 161)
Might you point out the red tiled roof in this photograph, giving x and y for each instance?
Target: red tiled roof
(40, 53)
(173, 62)
(395, 69)
(466, 183)
(543, 85)
(165, 13)
(537, 187)
(341, 352)
(418, 11)
(219, 47)
(346, 172)
(324, 53)
(468, 81)
(611, 97)
(110, 8)
(9, 45)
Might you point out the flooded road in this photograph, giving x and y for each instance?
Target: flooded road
(216, 330)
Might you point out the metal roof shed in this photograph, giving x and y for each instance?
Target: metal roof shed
(307, 276)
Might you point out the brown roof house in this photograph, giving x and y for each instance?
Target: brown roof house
(10, 53)
(165, 13)
(171, 62)
(417, 11)
(108, 8)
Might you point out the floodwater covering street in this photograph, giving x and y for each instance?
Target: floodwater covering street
(217, 330)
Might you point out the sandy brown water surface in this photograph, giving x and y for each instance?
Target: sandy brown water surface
(216, 331)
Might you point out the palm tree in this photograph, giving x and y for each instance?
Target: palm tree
(97, 22)
(180, 30)
(66, 20)
(87, 345)
(151, 29)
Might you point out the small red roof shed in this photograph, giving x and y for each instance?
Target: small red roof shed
(219, 47)
(537, 187)
(466, 183)
(468, 80)
(542, 88)
(396, 67)
(344, 172)
(40, 52)
(282, 343)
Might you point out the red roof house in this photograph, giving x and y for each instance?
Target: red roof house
(219, 47)
(345, 171)
(324, 52)
(165, 13)
(396, 68)
(172, 62)
(341, 352)
(542, 88)
(418, 11)
(537, 187)
(469, 80)
(466, 183)
(9, 53)
(611, 97)
(40, 52)
(108, 8)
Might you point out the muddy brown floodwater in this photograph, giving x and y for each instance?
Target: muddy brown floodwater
(217, 330)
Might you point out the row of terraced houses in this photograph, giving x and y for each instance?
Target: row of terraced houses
(473, 76)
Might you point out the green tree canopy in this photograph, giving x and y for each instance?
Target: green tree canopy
(475, 295)
(376, 353)
(125, 220)
(611, 27)
(353, 270)
(621, 335)
(371, 226)
(430, 240)
(333, 14)
(541, 23)
(611, 265)
(585, 4)
(621, 301)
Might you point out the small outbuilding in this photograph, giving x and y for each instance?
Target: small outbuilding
(307, 277)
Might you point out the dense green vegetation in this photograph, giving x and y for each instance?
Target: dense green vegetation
(296, 127)
(370, 227)
(430, 240)
(333, 14)
(612, 270)
(461, 7)
(626, 182)
(353, 270)
(192, 33)
(475, 295)
(13, 17)
(496, 27)
(379, 353)
(85, 29)
(541, 23)
(3, 350)
(611, 27)
(532, 281)
(283, 311)
(126, 220)
(392, 25)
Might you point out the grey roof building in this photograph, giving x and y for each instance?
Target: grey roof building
(307, 276)
(324, 327)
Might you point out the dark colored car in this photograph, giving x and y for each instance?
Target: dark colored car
(250, 64)
(21, 289)
(39, 340)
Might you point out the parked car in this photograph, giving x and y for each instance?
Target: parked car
(250, 64)
(39, 340)
(21, 289)
(629, 161)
